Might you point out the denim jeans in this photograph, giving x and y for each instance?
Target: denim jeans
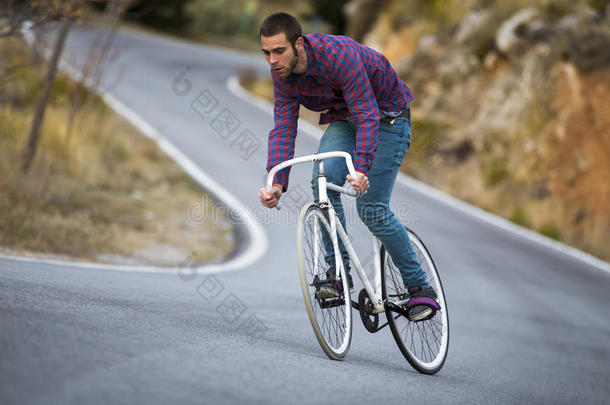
(373, 207)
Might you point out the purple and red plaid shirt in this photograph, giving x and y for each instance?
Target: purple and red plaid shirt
(348, 80)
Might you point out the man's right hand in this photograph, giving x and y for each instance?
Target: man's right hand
(270, 198)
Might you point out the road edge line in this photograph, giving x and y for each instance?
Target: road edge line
(257, 238)
(235, 87)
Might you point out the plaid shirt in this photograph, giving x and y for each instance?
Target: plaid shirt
(345, 79)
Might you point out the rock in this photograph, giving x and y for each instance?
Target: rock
(456, 65)
(590, 49)
(405, 65)
(588, 12)
(506, 37)
(427, 43)
(472, 25)
(490, 61)
(538, 31)
(569, 22)
(585, 39)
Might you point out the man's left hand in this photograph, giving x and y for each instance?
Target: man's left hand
(360, 183)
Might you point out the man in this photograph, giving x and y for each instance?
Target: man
(367, 106)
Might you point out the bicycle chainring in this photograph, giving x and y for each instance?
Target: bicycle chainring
(370, 321)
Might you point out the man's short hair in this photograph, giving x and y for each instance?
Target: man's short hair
(282, 22)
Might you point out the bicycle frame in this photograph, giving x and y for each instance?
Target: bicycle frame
(336, 227)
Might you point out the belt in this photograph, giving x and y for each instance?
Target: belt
(405, 113)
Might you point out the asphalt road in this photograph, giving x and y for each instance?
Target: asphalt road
(529, 324)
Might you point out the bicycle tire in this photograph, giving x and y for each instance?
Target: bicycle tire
(424, 344)
(331, 320)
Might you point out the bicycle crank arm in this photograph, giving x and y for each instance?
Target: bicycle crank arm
(395, 308)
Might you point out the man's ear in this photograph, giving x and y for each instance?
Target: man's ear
(299, 44)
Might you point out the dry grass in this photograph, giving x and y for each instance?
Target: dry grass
(103, 193)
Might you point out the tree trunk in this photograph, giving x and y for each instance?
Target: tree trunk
(30, 150)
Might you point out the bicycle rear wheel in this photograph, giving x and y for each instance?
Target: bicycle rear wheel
(425, 343)
(331, 318)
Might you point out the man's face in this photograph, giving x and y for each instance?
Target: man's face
(280, 54)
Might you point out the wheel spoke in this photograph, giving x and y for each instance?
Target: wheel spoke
(332, 324)
(423, 343)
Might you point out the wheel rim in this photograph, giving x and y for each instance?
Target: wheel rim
(424, 343)
(332, 325)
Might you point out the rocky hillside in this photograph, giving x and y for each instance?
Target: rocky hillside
(512, 109)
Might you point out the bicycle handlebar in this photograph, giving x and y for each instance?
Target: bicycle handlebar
(311, 158)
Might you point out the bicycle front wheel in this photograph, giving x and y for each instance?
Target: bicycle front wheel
(330, 317)
(424, 343)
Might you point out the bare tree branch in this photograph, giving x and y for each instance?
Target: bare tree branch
(30, 150)
(93, 69)
(14, 13)
(69, 10)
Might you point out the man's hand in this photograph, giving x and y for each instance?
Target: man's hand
(360, 183)
(270, 199)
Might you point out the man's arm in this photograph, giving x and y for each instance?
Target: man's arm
(282, 136)
(361, 102)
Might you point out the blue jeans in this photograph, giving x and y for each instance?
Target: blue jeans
(374, 206)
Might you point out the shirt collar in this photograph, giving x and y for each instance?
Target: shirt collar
(312, 64)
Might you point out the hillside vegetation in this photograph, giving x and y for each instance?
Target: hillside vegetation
(512, 106)
(100, 191)
(512, 109)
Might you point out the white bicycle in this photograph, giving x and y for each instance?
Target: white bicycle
(423, 343)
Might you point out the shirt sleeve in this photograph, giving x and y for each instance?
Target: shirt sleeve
(361, 102)
(283, 135)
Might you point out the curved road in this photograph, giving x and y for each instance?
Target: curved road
(529, 324)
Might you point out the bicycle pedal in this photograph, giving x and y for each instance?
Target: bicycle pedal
(331, 303)
(327, 292)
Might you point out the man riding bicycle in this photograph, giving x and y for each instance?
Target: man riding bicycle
(367, 106)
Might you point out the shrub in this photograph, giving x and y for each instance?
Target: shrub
(496, 171)
(519, 217)
(550, 230)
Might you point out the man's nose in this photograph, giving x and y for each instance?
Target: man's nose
(272, 59)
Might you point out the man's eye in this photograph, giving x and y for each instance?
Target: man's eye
(280, 51)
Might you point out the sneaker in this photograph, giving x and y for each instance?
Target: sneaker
(330, 274)
(329, 287)
(422, 303)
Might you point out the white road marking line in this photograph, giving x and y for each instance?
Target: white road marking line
(313, 131)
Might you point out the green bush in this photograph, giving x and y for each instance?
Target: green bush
(442, 14)
(220, 17)
(519, 217)
(161, 14)
(550, 230)
(426, 136)
(598, 5)
(331, 11)
(496, 171)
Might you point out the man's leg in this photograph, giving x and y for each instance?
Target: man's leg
(374, 206)
(339, 136)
